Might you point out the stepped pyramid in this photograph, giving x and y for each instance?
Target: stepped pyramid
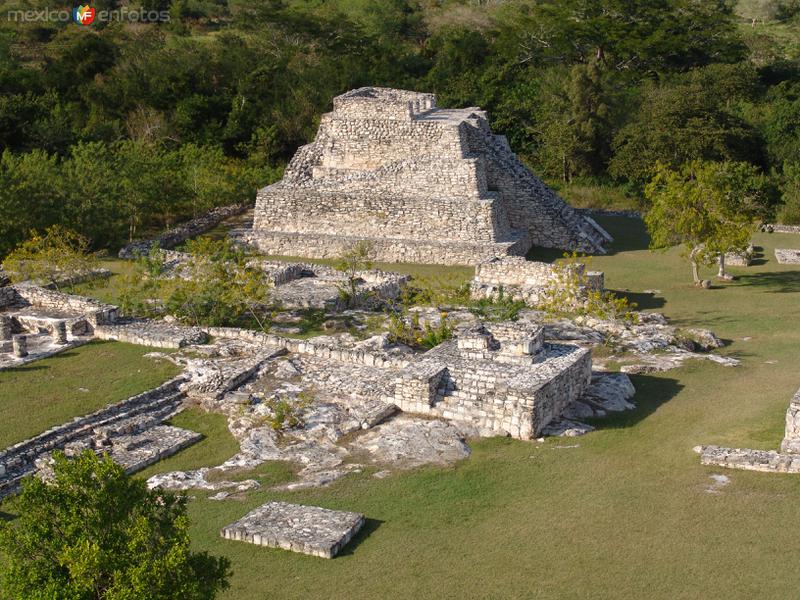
(424, 184)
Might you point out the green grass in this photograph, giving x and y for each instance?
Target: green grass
(625, 514)
(52, 391)
(217, 445)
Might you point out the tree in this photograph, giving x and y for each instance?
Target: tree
(95, 533)
(220, 286)
(789, 213)
(708, 207)
(576, 122)
(357, 257)
(56, 257)
(30, 195)
(687, 119)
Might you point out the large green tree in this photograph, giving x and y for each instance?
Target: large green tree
(707, 207)
(691, 118)
(95, 533)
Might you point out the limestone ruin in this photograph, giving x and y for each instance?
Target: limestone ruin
(423, 184)
(768, 461)
(306, 529)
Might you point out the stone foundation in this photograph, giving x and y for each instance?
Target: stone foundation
(787, 256)
(306, 529)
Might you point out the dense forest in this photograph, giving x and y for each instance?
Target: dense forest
(119, 128)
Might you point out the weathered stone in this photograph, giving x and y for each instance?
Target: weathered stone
(791, 438)
(60, 332)
(767, 461)
(20, 345)
(6, 330)
(423, 184)
(787, 256)
(306, 529)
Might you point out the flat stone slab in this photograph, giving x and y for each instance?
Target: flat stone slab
(306, 529)
(140, 450)
(767, 461)
(787, 256)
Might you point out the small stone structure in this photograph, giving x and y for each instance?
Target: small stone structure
(50, 322)
(423, 184)
(769, 461)
(525, 280)
(306, 529)
(506, 381)
(787, 256)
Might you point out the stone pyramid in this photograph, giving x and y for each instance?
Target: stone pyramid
(424, 184)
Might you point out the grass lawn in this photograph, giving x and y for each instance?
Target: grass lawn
(621, 513)
(52, 391)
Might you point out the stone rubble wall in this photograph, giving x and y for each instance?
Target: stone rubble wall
(183, 232)
(765, 461)
(777, 228)
(93, 310)
(8, 296)
(157, 334)
(311, 347)
(523, 279)
(18, 460)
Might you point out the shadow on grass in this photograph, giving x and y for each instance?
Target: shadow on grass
(651, 392)
(643, 300)
(780, 282)
(629, 234)
(370, 526)
(7, 517)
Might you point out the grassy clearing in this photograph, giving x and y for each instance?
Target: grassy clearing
(217, 445)
(76, 382)
(625, 514)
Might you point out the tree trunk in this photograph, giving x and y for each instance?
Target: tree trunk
(695, 265)
(721, 273)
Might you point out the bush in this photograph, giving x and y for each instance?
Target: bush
(94, 532)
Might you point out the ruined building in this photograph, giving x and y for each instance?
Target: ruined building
(424, 184)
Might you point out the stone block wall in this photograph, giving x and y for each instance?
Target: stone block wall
(17, 461)
(183, 232)
(93, 310)
(523, 279)
(791, 439)
(8, 296)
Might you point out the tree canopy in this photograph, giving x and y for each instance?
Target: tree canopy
(95, 533)
(708, 207)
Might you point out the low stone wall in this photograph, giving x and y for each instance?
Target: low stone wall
(157, 334)
(183, 232)
(18, 460)
(777, 228)
(94, 310)
(766, 461)
(312, 348)
(791, 438)
(524, 280)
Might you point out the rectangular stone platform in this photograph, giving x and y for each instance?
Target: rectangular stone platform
(787, 256)
(306, 529)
